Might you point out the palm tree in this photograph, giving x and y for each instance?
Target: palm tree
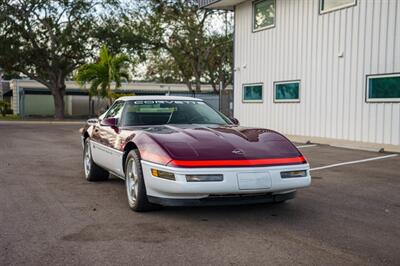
(109, 68)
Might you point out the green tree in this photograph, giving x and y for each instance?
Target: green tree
(47, 39)
(178, 40)
(161, 67)
(219, 66)
(180, 31)
(4, 108)
(108, 68)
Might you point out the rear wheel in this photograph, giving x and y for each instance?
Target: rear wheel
(134, 182)
(93, 172)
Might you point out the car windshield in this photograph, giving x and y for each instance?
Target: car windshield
(159, 112)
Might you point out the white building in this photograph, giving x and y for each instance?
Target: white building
(319, 70)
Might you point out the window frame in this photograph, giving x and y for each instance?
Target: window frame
(253, 29)
(126, 104)
(379, 100)
(322, 12)
(287, 100)
(122, 111)
(251, 85)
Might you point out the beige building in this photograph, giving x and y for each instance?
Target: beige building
(30, 98)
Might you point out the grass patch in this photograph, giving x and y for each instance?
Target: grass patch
(10, 118)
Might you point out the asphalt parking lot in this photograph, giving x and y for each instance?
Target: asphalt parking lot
(49, 214)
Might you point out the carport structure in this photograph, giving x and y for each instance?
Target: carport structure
(39, 102)
(30, 98)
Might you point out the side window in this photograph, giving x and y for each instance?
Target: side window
(383, 88)
(331, 5)
(252, 93)
(287, 91)
(263, 14)
(115, 111)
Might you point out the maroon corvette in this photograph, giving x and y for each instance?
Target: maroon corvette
(178, 151)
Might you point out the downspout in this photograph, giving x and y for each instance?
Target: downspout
(22, 102)
(233, 62)
(17, 98)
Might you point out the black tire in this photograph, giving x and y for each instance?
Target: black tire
(92, 171)
(135, 186)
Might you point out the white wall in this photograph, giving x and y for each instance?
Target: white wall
(305, 45)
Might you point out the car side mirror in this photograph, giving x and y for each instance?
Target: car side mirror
(234, 121)
(109, 122)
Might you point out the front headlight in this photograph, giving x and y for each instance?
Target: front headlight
(162, 174)
(294, 174)
(204, 178)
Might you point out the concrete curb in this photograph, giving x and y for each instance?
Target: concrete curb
(354, 145)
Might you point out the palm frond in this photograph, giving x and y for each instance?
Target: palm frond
(108, 68)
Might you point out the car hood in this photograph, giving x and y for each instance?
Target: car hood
(213, 142)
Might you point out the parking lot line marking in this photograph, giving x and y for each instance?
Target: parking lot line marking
(306, 146)
(354, 162)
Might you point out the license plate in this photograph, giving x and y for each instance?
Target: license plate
(248, 181)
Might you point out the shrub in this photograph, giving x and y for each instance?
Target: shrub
(4, 108)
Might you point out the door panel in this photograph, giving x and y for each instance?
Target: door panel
(105, 148)
(108, 158)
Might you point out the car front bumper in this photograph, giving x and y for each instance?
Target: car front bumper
(218, 200)
(264, 183)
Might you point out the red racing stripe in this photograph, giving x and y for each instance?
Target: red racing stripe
(232, 163)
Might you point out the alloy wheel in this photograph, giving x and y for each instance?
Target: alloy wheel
(87, 160)
(131, 181)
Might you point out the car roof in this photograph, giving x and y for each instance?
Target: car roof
(157, 98)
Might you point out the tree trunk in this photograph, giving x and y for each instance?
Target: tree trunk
(58, 105)
(214, 86)
(90, 106)
(222, 81)
(58, 92)
(198, 84)
(109, 95)
(189, 85)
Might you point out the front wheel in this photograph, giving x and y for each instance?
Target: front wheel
(93, 172)
(134, 182)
